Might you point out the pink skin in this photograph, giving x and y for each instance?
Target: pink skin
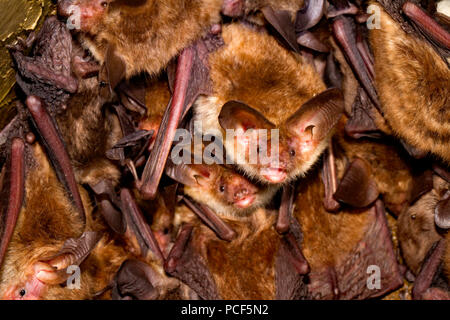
(91, 11)
(33, 288)
(237, 190)
(233, 8)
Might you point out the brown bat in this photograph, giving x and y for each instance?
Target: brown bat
(345, 248)
(284, 96)
(411, 74)
(55, 66)
(258, 264)
(417, 231)
(49, 237)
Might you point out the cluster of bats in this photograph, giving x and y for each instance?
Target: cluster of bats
(363, 115)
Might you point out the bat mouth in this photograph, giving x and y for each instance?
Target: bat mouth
(274, 175)
(245, 202)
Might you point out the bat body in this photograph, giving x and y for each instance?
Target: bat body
(89, 129)
(412, 82)
(222, 189)
(285, 94)
(341, 247)
(417, 231)
(145, 35)
(391, 169)
(258, 264)
(47, 219)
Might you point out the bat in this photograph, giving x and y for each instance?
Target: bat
(290, 20)
(341, 247)
(427, 85)
(417, 231)
(304, 122)
(258, 264)
(422, 241)
(49, 235)
(55, 66)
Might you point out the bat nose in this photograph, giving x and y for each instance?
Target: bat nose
(241, 193)
(64, 8)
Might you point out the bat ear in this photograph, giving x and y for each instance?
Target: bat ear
(442, 213)
(113, 69)
(318, 116)
(357, 187)
(237, 115)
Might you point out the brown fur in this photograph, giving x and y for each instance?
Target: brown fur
(416, 227)
(148, 35)
(253, 68)
(46, 221)
(413, 85)
(89, 130)
(245, 267)
(207, 192)
(390, 167)
(327, 238)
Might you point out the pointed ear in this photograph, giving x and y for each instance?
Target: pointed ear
(442, 212)
(113, 69)
(52, 270)
(189, 175)
(237, 115)
(318, 116)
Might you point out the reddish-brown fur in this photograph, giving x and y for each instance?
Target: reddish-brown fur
(413, 86)
(148, 34)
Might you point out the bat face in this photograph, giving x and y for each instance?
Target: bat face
(90, 12)
(290, 111)
(225, 191)
(47, 218)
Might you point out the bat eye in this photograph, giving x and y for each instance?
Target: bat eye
(292, 152)
(413, 217)
(102, 84)
(22, 292)
(222, 188)
(104, 4)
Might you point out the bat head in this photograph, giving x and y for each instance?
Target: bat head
(222, 189)
(301, 138)
(417, 230)
(86, 14)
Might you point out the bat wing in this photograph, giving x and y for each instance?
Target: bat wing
(373, 254)
(186, 264)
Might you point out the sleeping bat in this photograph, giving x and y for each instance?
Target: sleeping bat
(342, 248)
(411, 75)
(284, 96)
(424, 245)
(50, 236)
(258, 264)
